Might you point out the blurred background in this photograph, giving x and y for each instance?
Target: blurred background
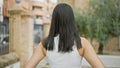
(24, 23)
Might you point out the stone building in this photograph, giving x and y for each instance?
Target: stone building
(80, 4)
(1, 5)
(22, 18)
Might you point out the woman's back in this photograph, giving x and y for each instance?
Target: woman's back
(63, 60)
(65, 53)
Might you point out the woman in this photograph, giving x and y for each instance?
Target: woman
(63, 47)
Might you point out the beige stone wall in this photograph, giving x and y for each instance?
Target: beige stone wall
(14, 28)
(8, 59)
(70, 2)
(27, 37)
(80, 5)
(21, 33)
(111, 47)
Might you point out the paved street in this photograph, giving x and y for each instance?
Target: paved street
(108, 60)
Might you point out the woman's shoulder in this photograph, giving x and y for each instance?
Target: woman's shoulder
(84, 41)
(43, 41)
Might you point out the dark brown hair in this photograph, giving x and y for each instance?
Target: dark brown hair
(63, 23)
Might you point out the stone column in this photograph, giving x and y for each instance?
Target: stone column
(14, 28)
(21, 34)
(27, 37)
(46, 28)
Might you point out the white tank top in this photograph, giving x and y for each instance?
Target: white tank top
(63, 60)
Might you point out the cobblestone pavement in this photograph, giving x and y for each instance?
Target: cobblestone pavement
(109, 61)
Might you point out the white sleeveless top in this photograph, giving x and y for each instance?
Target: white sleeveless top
(63, 60)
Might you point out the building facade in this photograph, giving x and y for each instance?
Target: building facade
(41, 11)
(39, 8)
(79, 4)
(1, 9)
(24, 19)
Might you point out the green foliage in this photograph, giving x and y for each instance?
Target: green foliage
(100, 20)
(84, 25)
(107, 11)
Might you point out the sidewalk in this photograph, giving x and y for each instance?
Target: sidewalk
(109, 61)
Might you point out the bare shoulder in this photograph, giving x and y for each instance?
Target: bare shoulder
(43, 45)
(81, 50)
(85, 42)
(90, 54)
(83, 39)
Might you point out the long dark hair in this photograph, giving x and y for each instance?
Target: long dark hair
(63, 23)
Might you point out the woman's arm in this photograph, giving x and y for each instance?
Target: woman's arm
(37, 56)
(90, 55)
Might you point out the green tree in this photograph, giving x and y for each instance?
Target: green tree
(107, 13)
(101, 19)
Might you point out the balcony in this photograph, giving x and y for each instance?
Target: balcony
(37, 3)
(38, 13)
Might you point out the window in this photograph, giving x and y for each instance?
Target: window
(1, 17)
(54, 1)
(0, 9)
(4, 36)
(39, 0)
(1, 2)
